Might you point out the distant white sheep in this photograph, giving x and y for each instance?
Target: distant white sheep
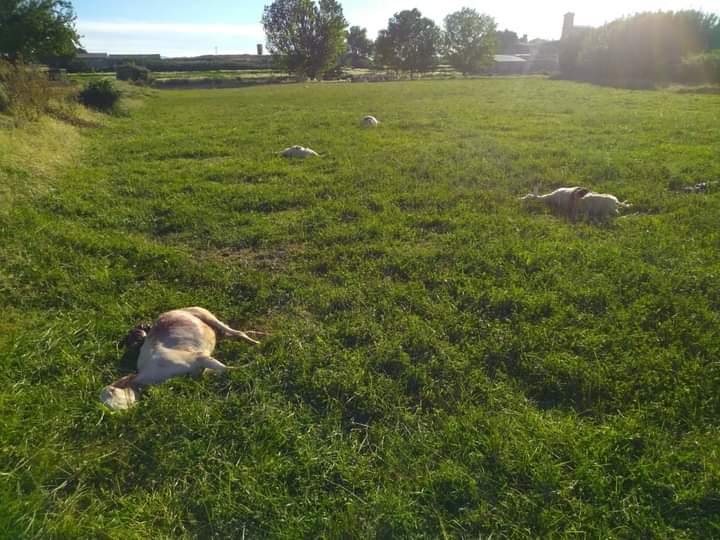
(298, 152)
(600, 205)
(561, 200)
(370, 121)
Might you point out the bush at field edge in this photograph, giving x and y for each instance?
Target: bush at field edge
(101, 95)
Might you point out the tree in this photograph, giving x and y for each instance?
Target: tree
(35, 30)
(359, 48)
(704, 27)
(507, 39)
(647, 46)
(358, 42)
(469, 40)
(305, 37)
(409, 43)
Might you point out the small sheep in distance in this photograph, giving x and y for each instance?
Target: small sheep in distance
(600, 206)
(369, 121)
(298, 152)
(561, 200)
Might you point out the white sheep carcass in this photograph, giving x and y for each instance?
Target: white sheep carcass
(562, 200)
(298, 152)
(180, 342)
(370, 121)
(599, 206)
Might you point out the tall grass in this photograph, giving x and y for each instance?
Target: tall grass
(27, 89)
(29, 95)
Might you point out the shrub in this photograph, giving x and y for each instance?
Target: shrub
(703, 68)
(101, 94)
(132, 72)
(27, 90)
(4, 99)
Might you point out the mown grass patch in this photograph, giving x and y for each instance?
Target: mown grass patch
(444, 361)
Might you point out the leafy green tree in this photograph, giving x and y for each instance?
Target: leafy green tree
(507, 39)
(34, 30)
(704, 26)
(305, 37)
(411, 43)
(470, 40)
(358, 42)
(648, 46)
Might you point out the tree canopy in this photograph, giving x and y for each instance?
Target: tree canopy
(358, 42)
(35, 30)
(410, 42)
(645, 46)
(470, 40)
(305, 37)
(507, 39)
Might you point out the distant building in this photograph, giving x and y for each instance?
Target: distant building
(92, 56)
(570, 29)
(568, 25)
(54, 74)
(509, 64)
(259, 49)
(536, 56)
(94, 60)
(109, 61)
(134, 57)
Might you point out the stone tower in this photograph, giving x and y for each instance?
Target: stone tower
(568, 25)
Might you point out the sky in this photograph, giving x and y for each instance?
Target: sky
(192, 27)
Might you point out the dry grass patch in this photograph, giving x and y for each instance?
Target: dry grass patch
(33, 155)
(273, 259)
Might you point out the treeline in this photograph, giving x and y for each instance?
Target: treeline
(211, 63)
(681, 46)
(312, 40)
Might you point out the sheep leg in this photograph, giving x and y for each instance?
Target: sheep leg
(208, 318)
(208, 362)
(126, 381)
(230, 332)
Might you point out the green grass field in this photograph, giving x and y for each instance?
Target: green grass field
(444, 361)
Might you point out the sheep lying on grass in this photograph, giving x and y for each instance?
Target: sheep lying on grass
(180, 342)
(369, 121)
(599, 206)
(298, 152)
(563, 200)
(579, 201)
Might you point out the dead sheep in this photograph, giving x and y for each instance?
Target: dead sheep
(298, 152)
(563, 200)
(599, 206)
(180, 342)
(369, 121)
